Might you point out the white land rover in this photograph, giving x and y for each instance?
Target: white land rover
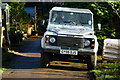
(70, 34)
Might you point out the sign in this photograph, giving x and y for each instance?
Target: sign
(111, 49)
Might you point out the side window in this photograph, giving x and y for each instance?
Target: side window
(54, 17)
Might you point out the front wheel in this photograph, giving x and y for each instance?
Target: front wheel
(91, 62)
(45, 59)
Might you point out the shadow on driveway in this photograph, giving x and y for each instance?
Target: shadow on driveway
(27, 55)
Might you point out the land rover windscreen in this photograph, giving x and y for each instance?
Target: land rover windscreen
(71, 18)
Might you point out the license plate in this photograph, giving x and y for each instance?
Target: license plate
(71, 52)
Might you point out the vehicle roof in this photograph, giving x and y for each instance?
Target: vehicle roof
(71, 10)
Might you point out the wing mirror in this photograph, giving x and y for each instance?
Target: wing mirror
(43, 22)
(99, 26)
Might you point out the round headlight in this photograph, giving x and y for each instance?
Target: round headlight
(52, 39)
(87, 43)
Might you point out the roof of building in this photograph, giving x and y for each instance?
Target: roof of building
(71, 10)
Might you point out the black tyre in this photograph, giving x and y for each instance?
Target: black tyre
(91, 62)
(45, 59)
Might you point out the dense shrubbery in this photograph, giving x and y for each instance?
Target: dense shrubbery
(105, 32)
(107, 71)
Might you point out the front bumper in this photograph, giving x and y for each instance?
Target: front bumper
(56, 50)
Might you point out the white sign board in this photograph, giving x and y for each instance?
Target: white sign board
(111, 49)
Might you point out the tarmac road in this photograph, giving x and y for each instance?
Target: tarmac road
(27, 65)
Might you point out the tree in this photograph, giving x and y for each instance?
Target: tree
(116, 7)
(18, 13)
(19, 16)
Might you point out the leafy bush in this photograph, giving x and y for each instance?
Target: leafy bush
(19, 17)
(105, 32)
(107, 71)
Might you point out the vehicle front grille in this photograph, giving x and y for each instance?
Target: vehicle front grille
(70, 42)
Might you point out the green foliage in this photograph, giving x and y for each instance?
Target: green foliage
(116, 7)
(107, 71)
(18, 13)
(2, 70)
(21, 28)
(96, 72)
(102, 10)
(105, 32)
(19, 16)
